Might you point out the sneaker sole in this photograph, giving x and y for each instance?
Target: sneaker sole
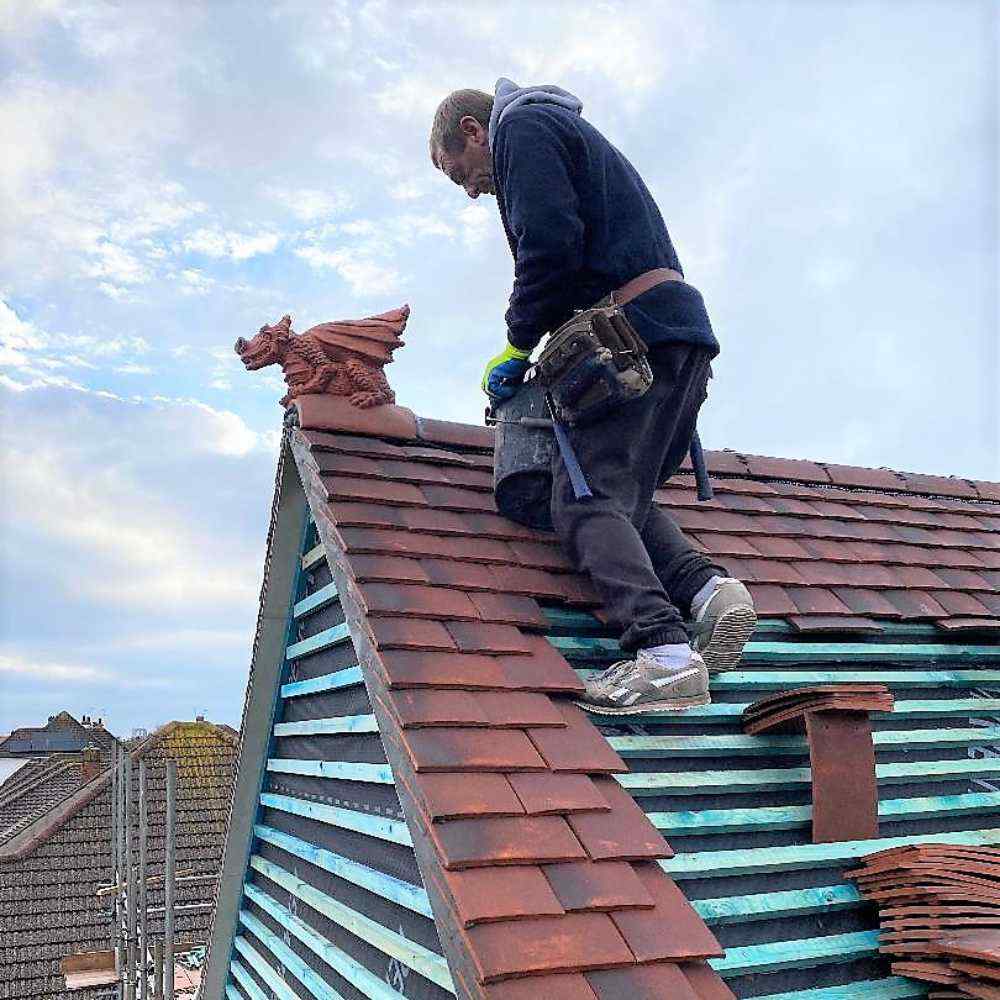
(731, 633)
(675, 705)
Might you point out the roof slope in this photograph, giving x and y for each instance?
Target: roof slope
(51, 869)
(60, 734)
(38, 787)
(539, 869)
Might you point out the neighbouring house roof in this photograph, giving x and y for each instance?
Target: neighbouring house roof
(532, 858)
(36, 788)
(52, 866)
(61, 734)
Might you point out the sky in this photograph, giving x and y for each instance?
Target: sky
(173, 175)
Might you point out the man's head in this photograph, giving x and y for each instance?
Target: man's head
(460, 141)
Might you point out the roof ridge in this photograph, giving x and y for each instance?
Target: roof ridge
(335, 414)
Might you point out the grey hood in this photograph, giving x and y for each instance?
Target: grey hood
(509, 95)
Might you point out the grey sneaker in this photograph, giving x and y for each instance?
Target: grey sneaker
(632, 687)
(723, 625)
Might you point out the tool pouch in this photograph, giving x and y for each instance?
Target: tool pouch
(592, 364)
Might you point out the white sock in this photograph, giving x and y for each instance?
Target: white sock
(674, 655)
(704, 594)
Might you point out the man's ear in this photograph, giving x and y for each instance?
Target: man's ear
(472, 129)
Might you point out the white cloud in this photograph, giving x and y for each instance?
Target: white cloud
(309, 204)
(475, 221)
(364, 275)
(195, 282)
(29, 667)
(113, 497)
(133, 369)
(218, 243)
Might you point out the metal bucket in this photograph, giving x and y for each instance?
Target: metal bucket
(522, 457)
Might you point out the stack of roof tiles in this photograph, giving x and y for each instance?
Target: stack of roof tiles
(785, 711)
(929, 893)
(540, 867)
(974, 959)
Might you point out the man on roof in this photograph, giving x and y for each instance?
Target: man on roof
(585, 231)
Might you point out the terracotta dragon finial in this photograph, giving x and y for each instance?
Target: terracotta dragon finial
(344, 358)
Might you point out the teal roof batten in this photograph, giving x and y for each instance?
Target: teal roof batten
(779, 779)
(246, 981)
(344, 770)
(762, 958)
(316, 600)
(393, 830)
(321, 640)
(757, 860)
(413, 897)
(328, 727)
(893, 988)
(917, 709)
(600, 649)
(316, 986)
(257, 961)
(348, 677)
(772, 905)
(767, 745)
(706, 822)
(352, 971)
(421, 960)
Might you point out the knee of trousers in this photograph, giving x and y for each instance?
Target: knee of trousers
(571, 518)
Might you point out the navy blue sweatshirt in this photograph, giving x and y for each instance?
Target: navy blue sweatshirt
(581, 223)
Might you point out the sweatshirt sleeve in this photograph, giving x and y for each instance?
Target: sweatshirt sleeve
(546, 230)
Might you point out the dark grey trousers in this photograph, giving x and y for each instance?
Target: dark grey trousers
(643, 568)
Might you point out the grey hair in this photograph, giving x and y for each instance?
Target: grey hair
(446, 133)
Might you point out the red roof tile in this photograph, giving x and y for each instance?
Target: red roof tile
(485, 894)
(607, 885)
(547, 792)
(574, 942)
(477, 843)
(454, 795)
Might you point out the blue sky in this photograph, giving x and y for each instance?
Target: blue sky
(174, 175)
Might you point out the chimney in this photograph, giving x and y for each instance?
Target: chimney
(91, 763)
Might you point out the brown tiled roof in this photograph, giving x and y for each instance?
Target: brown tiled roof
(50, 870)
(35, 789)
(540, 867)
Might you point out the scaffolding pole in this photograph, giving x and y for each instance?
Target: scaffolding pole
(130, 890)
(120, 822)
(115, 880)
(143, 893)
(168, 899)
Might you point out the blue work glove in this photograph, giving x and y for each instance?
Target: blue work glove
(505, 373)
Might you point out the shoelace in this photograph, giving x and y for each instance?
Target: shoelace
(615, 671)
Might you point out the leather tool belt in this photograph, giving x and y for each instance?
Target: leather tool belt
(595, 361)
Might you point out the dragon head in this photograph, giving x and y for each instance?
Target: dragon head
(268, 347)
